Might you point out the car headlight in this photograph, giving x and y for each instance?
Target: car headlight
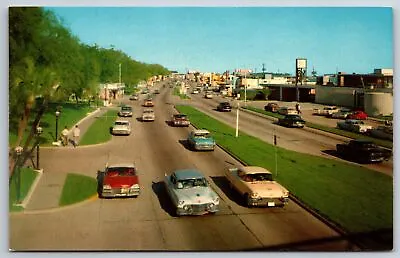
(285, 193)
(135, 186)
(181, 202)
(187, 207)
(106, 187)
(254, 195)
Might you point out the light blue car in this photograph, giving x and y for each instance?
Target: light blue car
(190, 193)
(201, 139)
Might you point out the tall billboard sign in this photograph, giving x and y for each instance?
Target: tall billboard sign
(301, 70)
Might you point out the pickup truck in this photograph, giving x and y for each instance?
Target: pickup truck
(256, 186)
(363, 151)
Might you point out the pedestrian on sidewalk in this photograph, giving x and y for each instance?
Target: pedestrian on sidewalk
(76, 133)
(298, 108)
(64, 136)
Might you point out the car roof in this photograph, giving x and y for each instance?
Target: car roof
(362, 140)
(120, 120)
(183, 174)
(254, 170)
(201, 131)
(121, 165)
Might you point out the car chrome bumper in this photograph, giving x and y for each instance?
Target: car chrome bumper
(121, 193)
(198, 209)
(204, 147)
(269, 202)
(121, 132)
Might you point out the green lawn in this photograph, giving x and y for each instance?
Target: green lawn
(381, 142)
(99, 131)
(356, 198)
(71, 113)
(28, 175)
(77, 188)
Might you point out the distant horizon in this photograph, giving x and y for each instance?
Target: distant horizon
(217, 39)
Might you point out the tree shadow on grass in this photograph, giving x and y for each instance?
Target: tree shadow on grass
(163, 198)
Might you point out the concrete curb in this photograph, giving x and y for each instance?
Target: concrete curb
(32, 188)
(55, 209)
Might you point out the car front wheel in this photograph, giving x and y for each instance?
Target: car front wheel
(247, 200)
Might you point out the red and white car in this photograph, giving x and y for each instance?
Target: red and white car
(119, 180)
(359, 115)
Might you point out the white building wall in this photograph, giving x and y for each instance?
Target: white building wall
(378, 103)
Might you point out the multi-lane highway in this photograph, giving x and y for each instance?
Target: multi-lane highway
(148, 222)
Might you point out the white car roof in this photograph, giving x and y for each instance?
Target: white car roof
(254, 170)
(121, 165)
(200, 131)
(121, 121)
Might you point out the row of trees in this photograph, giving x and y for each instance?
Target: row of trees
(47, 63)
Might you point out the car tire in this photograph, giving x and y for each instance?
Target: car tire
(247, 200)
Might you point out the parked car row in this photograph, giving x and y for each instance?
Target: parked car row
(340, 113)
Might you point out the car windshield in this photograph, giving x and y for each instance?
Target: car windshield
(180, 116)
(126, 108)
(202, 135)
(259, 177)
(293, 117)
(121, 123)
(148, 111)
(121, 171)
(189, 183)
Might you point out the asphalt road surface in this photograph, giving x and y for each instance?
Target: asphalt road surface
(148, 222)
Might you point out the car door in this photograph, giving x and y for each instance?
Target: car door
(171, 188)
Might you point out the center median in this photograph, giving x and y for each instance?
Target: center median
(355, 198)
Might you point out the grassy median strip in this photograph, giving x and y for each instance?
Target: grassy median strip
(384, 143)
(27, 176)
(177, 93)
(77, 188)
(99, 131)
(356, 198)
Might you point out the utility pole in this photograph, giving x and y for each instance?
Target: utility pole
(119, 73)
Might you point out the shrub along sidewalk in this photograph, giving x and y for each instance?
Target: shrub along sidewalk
(356, 198)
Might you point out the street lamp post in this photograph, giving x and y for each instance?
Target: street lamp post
(39, 131)
(18, 152)
(57, 115)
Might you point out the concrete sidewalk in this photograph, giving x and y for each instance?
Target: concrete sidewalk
(48, 191)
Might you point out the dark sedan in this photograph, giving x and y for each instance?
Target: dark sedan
(224, 107)
(292, 121)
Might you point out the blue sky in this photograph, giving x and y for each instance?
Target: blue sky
(347, 39)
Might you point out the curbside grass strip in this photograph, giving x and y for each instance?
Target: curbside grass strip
(32, 188)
